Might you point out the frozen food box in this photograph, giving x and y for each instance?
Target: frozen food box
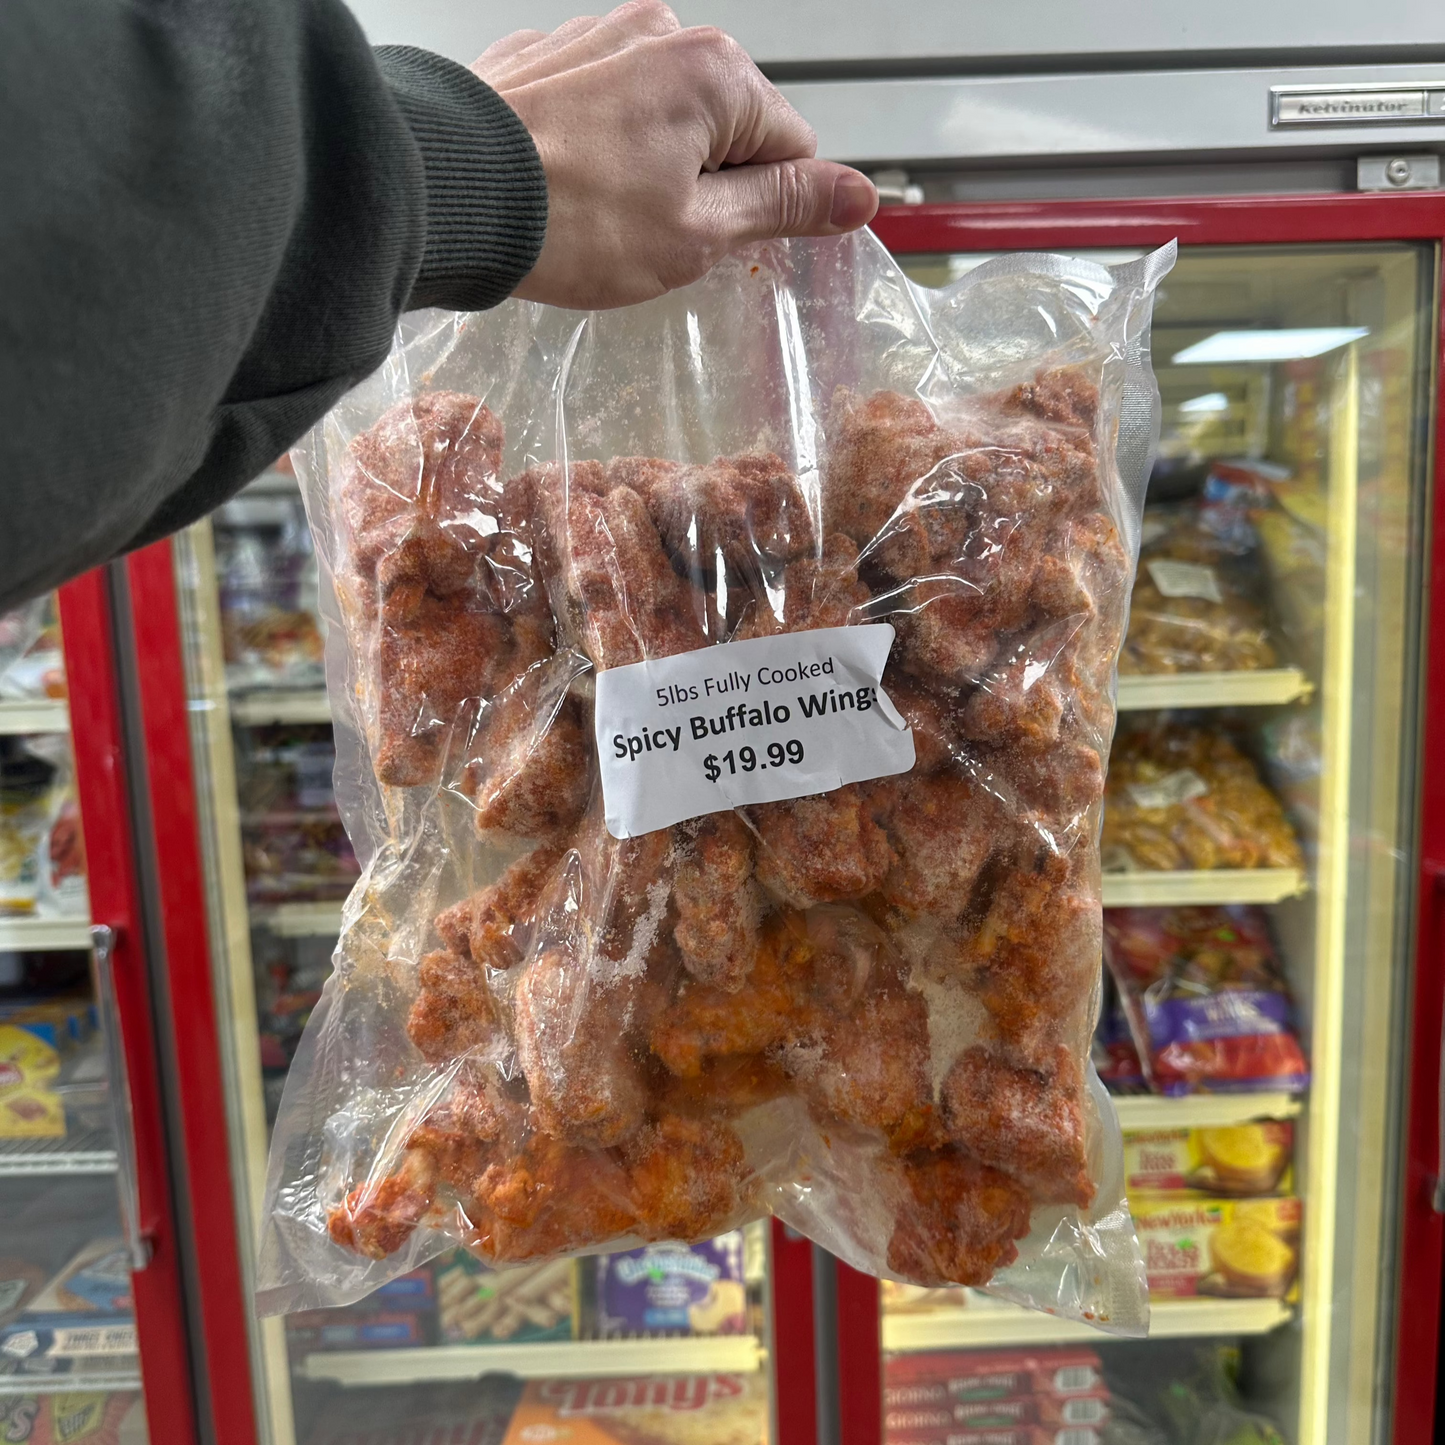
(674, 1289)
(1002, 1435)
(1240, 1248)
(95, 1282)
(1239, 1159)
(472, 1413)
(704, 1409)
(941, 1377)
(61, 1022)
(314, 1331)
(74, 1418)
(19, 1280)
(1014, 1412)
(29, 1106)
(529, 1303)
(917, 1298)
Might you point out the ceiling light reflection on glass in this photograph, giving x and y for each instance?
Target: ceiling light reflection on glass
(1288, 345)
(1209, 405)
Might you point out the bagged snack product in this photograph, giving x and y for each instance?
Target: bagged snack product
(74, 1417)
(1182, 797)
(1206, 998)
(723, 687)
(1196, 604)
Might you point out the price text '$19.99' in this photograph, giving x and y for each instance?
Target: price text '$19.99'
(746, 759)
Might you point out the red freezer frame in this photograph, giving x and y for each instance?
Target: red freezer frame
(1257, 221)
(107, 813)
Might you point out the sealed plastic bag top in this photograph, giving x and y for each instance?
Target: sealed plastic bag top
(723, 690)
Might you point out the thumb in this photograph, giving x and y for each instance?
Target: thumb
(786, 198)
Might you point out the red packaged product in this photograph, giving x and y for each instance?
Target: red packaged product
(925, 1421)
(1017, 1435)
(1206, 998)
(942, 1377)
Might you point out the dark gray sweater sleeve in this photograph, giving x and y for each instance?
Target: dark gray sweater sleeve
(211, 214)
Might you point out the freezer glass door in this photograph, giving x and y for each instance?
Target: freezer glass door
(1260, 814)
(69, 1359)
(667, 1340)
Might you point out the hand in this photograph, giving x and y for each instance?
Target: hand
(664, 148)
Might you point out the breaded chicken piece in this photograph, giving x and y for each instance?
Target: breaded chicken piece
(716, 899)
(453, 1012)
(932, 713)
(430, 657)
(957, 1220)
(574, 1030)
(537, 767)
(493, 925)
(733, 511)
(459, 1130)
(547, 1197)
(627, 602)
(820, 849)
(689, 1178)
(625, 904)
(878, 447)
(943, 827)
(773, 1010)
(379, 1216)
(437, 454)
(816, 592)
(873, 1070)
(1029, 1123)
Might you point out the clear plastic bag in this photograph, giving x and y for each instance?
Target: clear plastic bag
(829, 572)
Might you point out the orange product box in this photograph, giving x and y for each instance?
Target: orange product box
(720, 1409)
(938, 1377)
(1238, 1248)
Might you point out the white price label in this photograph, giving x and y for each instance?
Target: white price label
(1185, 579)
(1170, 790)
(746, 722)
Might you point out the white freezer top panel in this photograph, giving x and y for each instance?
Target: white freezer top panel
(867, 30)
(1183, 114)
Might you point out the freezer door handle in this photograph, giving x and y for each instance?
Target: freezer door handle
(138, 1245)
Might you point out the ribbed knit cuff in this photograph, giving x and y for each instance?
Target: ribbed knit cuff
(486, 192)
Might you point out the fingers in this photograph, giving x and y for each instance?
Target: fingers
(786, 198)
(588, 39)
(496, 56)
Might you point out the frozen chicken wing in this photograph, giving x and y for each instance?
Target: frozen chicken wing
(1026, 1122)
(717, 902)
(956, 1219)
(820, 849)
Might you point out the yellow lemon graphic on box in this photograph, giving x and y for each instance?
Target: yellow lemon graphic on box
(1244, 1155)
(1251, 1258)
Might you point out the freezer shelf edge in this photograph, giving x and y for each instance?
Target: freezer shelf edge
(1265, 687)
(728, 1354)
(979, 1325)
(1202, 885)
(41, 935)
(40, 715)
(261, 709)
(1202, 1111)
